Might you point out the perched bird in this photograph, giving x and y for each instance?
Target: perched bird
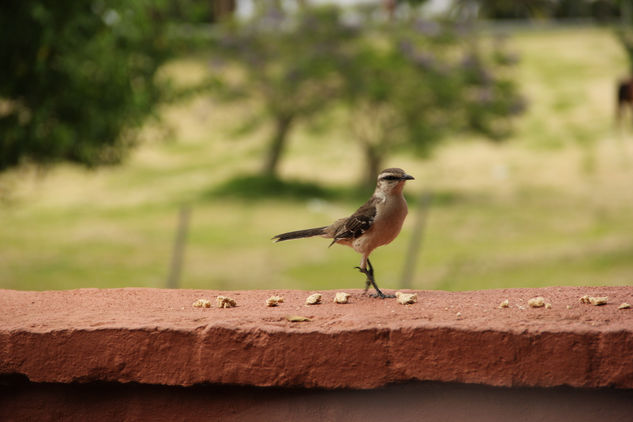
(374, 224)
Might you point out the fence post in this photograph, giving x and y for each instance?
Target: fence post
(173, 280)
(416, 240)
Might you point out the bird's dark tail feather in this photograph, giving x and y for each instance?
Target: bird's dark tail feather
(317, 231)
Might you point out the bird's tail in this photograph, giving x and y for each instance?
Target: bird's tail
(317, 231)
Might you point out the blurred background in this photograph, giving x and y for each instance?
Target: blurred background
(163, 143)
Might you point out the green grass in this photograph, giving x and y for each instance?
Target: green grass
(552, 206)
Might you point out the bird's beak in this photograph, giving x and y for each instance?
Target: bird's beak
(408, 177)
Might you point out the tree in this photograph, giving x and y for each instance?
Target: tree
(287, 62)
(77, 77)
(416, 81)
(403, 82)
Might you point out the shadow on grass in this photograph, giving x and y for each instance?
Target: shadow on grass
(258, 187)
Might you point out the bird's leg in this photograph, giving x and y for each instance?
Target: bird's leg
(367, 282)
(363, 269)
(370, 276)
(370, 280)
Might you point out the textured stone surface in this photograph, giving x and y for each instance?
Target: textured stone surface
(153, 336)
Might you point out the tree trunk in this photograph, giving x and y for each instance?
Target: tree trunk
(373, 161)
(277, 144)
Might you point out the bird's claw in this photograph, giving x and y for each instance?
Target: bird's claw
(381, 295)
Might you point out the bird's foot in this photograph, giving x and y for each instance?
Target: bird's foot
(381, 295)
(371, 282)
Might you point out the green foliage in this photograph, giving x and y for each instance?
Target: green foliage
(287, 62)
(540, 222)
(412, 82)
(77, 77)
(405, 82)
(624, 35)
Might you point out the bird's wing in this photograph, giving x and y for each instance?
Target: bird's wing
(358, 223)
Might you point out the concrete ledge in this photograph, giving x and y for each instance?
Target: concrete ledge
(151, 336)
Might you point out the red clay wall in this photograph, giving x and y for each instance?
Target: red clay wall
(156, 339)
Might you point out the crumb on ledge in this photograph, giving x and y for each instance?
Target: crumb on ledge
(341, 297)
(595, 301)
(297, 318)
(314, 299)
(225, 302)
(406, 298)
(536, 302)
(201, 303)
(598, 301)
(274, 301)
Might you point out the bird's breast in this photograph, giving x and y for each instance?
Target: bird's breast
(390, 216)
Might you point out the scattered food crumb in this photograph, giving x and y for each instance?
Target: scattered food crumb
(597, 301)
(341, 297)
(225, 302)
(406, 298)
(458, 315)
(568, 306)
(536, 302)
(313, 299)
(274, 300)
(201, 303)
(548, 306)
(505, 304)
(297, 318)
(624, 305)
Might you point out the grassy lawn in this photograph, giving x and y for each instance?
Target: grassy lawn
(552, 206)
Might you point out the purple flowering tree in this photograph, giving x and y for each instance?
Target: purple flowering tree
(403, 82)
(415, 82)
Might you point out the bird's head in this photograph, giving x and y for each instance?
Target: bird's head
(392, 180)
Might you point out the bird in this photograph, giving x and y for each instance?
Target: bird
(375, 223)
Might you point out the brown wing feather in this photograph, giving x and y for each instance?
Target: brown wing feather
(358, 223)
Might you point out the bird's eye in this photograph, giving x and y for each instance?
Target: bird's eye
(390, 178)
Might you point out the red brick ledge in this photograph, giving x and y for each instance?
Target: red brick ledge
(153, 336)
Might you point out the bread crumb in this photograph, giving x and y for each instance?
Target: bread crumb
(536, 302)
(406, 298)
(504, 304)
(458, 315)
(597, 301)
(201, 303)
(314, 299)
(297, 318)
(274, 300)
(548, 306)
(624, 305)
(568, 306)
(225, 302)
(341, 297)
